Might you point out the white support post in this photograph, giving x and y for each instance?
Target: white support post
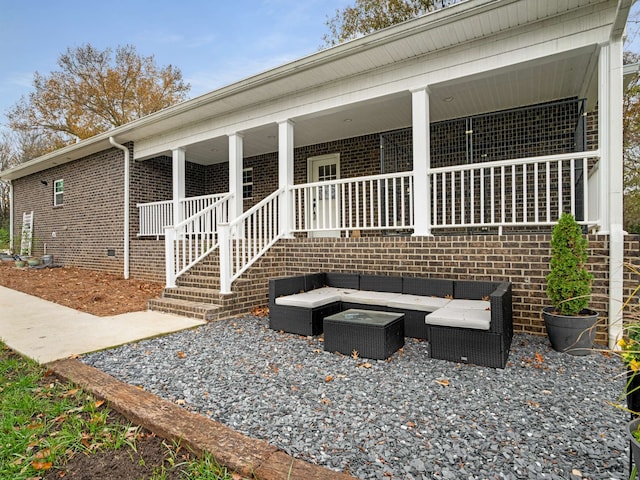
(11, 218)
(610, 97)
(285, 175)
(170, 255)
(235, 175)
(225, 258)
(421, 161)
(604, 112)
(178, 178)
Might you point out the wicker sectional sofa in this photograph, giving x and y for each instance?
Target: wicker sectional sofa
(463, 320)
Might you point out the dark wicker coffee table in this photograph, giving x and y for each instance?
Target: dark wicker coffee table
(371, 333)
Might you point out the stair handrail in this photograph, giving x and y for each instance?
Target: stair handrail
(245, 239)
(195, 243)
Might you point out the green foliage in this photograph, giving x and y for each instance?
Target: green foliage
(43, 422)
(4, 238)
(569, 282)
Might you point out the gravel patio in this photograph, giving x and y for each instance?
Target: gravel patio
(411, 417)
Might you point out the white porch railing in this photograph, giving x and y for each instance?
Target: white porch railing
(523, 192)
(379, 202)
(194, 238)
(155, 216)
(247, 238)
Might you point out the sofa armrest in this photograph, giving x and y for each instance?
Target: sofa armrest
(501, 309)
(285, 286)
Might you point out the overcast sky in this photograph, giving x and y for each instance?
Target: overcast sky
(213, 42)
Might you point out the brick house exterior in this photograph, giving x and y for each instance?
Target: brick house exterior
(472, 159)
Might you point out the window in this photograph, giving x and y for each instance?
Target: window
(247, 183)
(58, 192)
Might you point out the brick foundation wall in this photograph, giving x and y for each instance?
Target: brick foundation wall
(147, 260)
(521, 259)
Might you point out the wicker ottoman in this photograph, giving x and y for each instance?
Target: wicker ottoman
(371, 333)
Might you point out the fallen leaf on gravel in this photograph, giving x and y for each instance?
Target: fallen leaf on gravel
(444, 382)
(180, 402)
(364, 365)
(328, 378)
(182, 355)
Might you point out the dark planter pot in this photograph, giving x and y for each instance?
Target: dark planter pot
(632, 390)
(574, 335)
(632, 426)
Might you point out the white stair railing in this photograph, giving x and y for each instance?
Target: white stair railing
(248, 237)
(194, 238)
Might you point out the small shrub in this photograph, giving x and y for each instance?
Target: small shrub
(569, 282)
(4, 238)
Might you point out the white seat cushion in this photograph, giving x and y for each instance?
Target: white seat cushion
(469, 304)
(312, 298)
(368, 297)
(417, 302)
(460, 317)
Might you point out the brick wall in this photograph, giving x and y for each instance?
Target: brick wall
(521, 259)
(147, 260)
(89, 223)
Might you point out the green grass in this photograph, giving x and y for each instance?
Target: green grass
(43, 422)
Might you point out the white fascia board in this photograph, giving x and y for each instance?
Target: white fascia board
(483, 56)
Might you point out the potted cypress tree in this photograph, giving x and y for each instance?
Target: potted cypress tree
(571, 326)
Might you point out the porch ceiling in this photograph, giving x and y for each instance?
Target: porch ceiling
(562, 76)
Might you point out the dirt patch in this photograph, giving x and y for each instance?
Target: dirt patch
(149, 459)
(98, 293)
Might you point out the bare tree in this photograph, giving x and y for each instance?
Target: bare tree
(93, 92)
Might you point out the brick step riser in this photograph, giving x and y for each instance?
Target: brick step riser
(195, 311)
(198, 283)
(192, 297)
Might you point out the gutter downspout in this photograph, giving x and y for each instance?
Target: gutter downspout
(11, 220)
(126, 205)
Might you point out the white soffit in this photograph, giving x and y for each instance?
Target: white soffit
(435, 32)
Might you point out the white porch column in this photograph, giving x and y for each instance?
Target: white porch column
(178, 174)
(236, 206)
(610, 96)
(285, 175)
(421, 162)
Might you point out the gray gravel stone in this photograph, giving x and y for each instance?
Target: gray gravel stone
(396, 418)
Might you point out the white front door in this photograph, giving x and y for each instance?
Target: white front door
(325, 202)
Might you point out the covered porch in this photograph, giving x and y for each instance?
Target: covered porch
(482, 118)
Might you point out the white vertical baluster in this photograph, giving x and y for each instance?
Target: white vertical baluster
(524, 194)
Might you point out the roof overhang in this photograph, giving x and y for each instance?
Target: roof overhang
(455, 28)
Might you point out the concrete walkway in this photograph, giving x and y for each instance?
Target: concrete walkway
(46, 331)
